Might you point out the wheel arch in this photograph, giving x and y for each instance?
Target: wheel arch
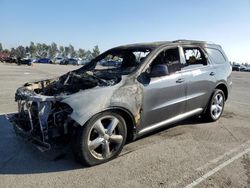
(129, 119)
(223, 87)
(126, 114)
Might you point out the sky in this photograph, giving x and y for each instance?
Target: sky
(109, 23)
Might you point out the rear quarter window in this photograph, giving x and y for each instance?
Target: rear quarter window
(216, 56)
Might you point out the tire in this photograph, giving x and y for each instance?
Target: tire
(215, 106)
(101, 139)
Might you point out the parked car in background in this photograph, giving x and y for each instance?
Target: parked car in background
(247, 69)
(24, 61)
(110, 63)
(7, 58)
(59, 60)
(65, 61)
(72, 61)
(83, 61)
(10, 60)
(238, 67)
(33, 60)
(44, 60)
(102, 107)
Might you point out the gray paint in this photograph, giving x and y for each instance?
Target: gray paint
(153, 103)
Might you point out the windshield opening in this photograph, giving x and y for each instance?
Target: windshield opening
(124, 61)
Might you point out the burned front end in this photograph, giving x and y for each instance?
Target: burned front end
(41, 119)
(43, 115)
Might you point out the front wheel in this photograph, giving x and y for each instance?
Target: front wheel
(101, 139)
(215, 106)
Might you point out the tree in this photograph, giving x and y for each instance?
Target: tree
(96, 51)
(6, 51)
(61, 50)
(66, 51)
(32, 49)
(53, 50)
(82, 53)
(72, 52)
(45, 49)
(20, 52)
(42, 50)
(89, 55)
(13, 52)
(27, 51)
(39, 50)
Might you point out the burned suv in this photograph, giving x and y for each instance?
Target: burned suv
(104, 104)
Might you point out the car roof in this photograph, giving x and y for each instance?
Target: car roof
(153, 45)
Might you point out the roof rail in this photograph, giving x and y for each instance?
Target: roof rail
(184, 40)
(180, 40)
(192, 41)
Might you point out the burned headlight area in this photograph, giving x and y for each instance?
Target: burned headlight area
(43, 120)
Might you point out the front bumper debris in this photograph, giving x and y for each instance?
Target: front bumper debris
(40, 118)
(28, 135)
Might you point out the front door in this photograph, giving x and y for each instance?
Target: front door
(164, 97)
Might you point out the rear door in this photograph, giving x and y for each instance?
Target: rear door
(199, 75)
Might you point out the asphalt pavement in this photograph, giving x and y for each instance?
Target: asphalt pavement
(188, 154)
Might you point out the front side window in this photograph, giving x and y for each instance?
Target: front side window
(170, 58)
(194, 56)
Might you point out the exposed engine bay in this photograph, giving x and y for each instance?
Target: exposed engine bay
(72, 82)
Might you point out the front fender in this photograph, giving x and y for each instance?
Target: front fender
(89, 102)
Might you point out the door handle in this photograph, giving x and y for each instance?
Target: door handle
(212, 74)
(180, 80)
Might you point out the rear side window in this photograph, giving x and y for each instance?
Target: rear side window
(216, 55)
(194, 56)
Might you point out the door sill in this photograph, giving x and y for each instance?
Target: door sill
(169, 121)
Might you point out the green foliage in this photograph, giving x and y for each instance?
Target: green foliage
(66, 51)
(61, 50)
(42, 50)
(96, 51)
(81, 53)
(53, 50)
(89, 55)
(33, 49)
(72, 52)
(20, 52)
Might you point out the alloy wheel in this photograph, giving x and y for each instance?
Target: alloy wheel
(105, 138)
(217, 106)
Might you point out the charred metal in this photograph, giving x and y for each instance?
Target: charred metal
(47, 109)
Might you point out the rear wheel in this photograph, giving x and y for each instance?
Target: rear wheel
(215, 106)
(101, 139)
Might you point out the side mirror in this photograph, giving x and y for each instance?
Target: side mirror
(159, 70)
